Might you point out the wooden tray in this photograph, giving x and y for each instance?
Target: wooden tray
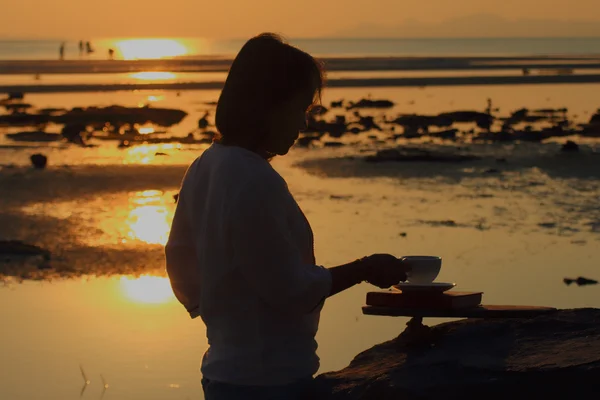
(482, 311)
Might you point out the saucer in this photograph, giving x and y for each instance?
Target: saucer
(438, 287)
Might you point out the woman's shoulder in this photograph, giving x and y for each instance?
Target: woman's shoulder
(237, 166)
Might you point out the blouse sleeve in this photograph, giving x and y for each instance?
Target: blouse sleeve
(266, 255)
(181, 262)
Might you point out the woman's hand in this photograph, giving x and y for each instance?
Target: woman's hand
(384, 270)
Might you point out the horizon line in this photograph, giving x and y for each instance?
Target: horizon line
(291, 38)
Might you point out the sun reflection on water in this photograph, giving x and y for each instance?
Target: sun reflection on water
(153, 75)
(148, 221)
(147, 289)
(146, 130)
(154, 98)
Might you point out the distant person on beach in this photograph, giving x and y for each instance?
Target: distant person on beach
(241, 253)
(61, 51)
(111, 54)
(88, 48)
(81, 47)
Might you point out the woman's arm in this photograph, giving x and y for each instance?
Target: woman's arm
(382, 270)
(345, 276)
(181, 265)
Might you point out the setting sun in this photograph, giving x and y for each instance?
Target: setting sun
(133, 49)
(147, 289)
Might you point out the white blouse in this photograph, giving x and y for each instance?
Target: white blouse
(240, 255)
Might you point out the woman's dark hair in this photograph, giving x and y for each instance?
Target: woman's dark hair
(266, 73)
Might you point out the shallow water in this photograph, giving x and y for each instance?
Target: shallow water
(187, 77)
(106, 211)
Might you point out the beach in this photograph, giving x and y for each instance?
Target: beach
(512, 221)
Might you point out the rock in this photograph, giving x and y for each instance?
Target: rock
(39, 161)
(75, 133)
(333, 144)
(368, 103)
(578, 242)
(340, 120)
(53, 110)
(551, 356)
(402, 234)
(335, 129)
(160, 153)
(16, 96)
(595, 119)
(492, 171)
(34, 136)
(483, 120)
(305, 141)
(17, 107)
(417, 122)
(502, 136)
(340, 197)
(368, 123)
(519, 115)
(534, 135)
(446, 134)
(415, 154)
(114, 115)
(570, 146)
(551, 110)
(19, 248)
(203, 122)
(581, 281)
(337, 104)
(447, 223)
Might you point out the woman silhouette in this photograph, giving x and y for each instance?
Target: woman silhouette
(240, 253)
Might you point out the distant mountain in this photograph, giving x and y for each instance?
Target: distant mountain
(477, 25)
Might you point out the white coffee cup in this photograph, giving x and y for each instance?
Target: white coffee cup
(424, 269)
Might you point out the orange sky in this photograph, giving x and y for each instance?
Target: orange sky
(298, 18)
